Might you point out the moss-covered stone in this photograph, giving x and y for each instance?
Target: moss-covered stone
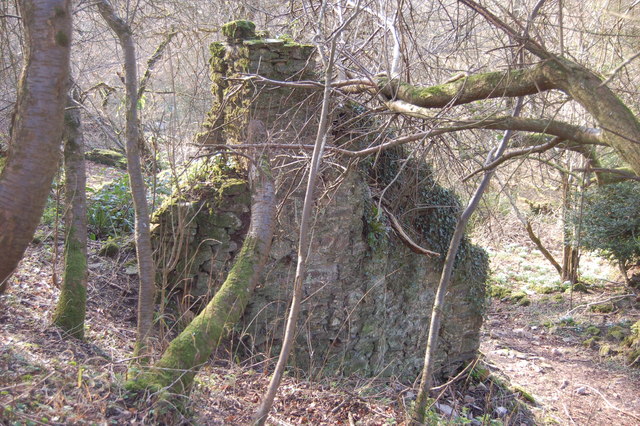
(591, 342)
(109, 249)
(593, 330)
(617, 333)
(239, 30)
(525, 301)
(580, 287)
(603, 308)
(108, 158)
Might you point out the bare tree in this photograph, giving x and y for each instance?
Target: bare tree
(34, 149)
(144, 251)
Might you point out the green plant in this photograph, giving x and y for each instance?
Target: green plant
(611, 221)
(110, 209)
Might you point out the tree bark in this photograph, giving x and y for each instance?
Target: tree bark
(186, 353)
(144, 251)
(34, 150)
(71, 308)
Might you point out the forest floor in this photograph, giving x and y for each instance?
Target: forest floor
(565, 349)
(549, 357)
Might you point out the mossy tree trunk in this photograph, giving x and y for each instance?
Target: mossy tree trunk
(71, 308)
(186, 353)
(144, 251)
(34, 149)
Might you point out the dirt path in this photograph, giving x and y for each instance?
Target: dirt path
(569, 381)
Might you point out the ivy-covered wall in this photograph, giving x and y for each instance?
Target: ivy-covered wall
(368, 297)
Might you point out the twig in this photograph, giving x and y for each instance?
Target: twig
(618, 68)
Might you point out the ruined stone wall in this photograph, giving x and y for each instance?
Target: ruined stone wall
(367, 296)
(290, 114)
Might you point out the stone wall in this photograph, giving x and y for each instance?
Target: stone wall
(367, 296)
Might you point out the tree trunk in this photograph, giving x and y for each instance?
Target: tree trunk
(70, 311)
(419, 411)
(186, 353)
(570, 253)
(144, 251)
(34, 150)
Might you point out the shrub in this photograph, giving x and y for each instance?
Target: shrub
(611, 221)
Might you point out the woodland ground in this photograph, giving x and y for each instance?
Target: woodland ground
(541, 363)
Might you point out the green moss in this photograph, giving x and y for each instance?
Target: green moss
(233, 186)
(617, 333)
(580, 287)
(108, 158)
(518, 295)
(525, 301)
(591, 342)
(239, 30)
(198, 340)
(603, 308)
(62, 39)
(500, 292)
(592, 330)
(217, 49)
(71, 308)
(524, 394)
(632, 357)
(109, 249)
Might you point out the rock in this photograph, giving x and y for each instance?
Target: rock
(582, 390)
(131, 269)
(367, 295)
(445, 409)
(500, 411)
(109, 249)
(107, 157)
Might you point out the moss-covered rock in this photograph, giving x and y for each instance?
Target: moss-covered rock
(592, 330)
(603, 308)
(367, 294)
(239, 30)
(109, 249)
(107, 157)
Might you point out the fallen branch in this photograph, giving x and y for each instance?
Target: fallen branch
(599, 302)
